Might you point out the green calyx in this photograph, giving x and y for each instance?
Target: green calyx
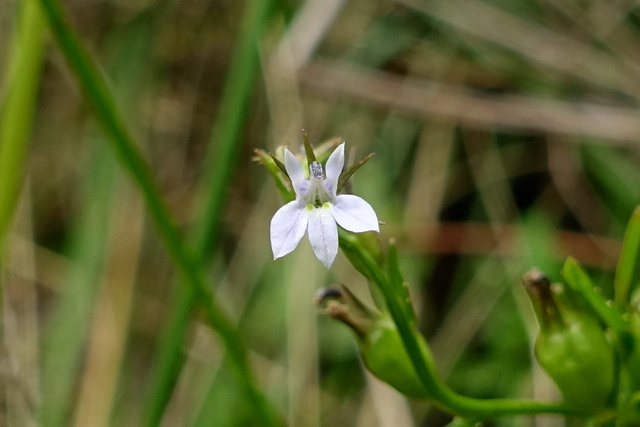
(320, 153)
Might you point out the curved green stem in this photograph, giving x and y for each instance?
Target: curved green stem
(423, 361)
(99, 96)
(218, 165)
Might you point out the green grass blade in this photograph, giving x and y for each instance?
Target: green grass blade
(97, 93)
(224, 145)
(68, 327)
(17, 107)
(628, 268)
(227, 128)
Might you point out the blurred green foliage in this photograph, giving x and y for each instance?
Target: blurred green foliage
(505, 134)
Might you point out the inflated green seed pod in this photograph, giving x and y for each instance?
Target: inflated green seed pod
(571, 346)
(385, 357)
(378, 341)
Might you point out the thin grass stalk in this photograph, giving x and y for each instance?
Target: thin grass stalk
(17, 108)
(224, 145)
(68, 327)
(224, 142)
(18, 96)
(129, 58)
(97, 93)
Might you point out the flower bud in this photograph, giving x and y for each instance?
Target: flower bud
(378, 339)
(571, 346)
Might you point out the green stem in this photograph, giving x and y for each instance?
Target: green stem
(98, 95)
(226, 130)
(17, 107)
(219, 163)
(423, 362)
(68, 326)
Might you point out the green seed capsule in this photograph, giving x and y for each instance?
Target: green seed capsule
(571, 346)
(378, 340)
(384, 355)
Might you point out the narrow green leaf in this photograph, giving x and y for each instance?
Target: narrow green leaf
(347, 173)
(67, 329)
(224, 146)
(324, 149)
(66, 334)
(280, 165)
(96, 91)
(628, 269)
(277, 172)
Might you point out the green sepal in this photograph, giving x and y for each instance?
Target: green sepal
(280, 165)
(324, 149)
(280, 177)
(348, 172)
(308, 149)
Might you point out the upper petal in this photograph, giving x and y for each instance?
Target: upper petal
(323, 234)
(287, 228)
(333, 169)
(354, 214)
(294, 169)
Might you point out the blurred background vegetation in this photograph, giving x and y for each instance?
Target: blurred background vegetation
(506, 135)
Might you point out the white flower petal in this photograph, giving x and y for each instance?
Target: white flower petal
(294, 169)
(354, 214)
(333, 169)
(287, 228)
(323, 234)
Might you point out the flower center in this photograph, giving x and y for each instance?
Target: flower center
(315, 170)
(316, 194)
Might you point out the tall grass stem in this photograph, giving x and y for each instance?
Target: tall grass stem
(97, 93)
(20, 89)
(223, 148)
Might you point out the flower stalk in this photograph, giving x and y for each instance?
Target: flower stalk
(391, 346)
(422, 359)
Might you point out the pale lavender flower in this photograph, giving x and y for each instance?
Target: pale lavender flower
(317, 209)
